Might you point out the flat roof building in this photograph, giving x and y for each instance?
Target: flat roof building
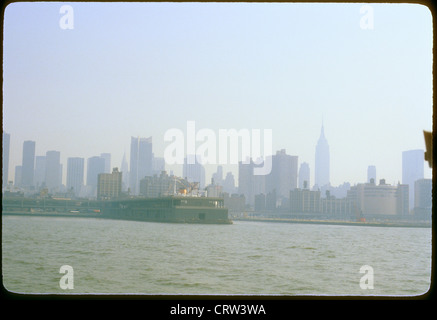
(370, 199)
(109, 185)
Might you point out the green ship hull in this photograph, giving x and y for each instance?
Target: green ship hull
(168, 209)
(161, 209)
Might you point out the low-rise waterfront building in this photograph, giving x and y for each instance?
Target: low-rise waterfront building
(373, 200)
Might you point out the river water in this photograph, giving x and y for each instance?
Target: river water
(248, 258)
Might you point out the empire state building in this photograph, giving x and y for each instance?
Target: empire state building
(322, 161)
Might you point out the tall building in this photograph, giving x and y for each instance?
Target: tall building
(95, 166)
(107, 157)
(194, 171)
(40, 171)
(371, 173)
(245, 184)
(5, 158)
(283, 176)
(141, 162)
(53, 171)
(250, 184)
(75, 174)
(109, 185)
(28, 164)
(413, 162)
(322, 163)
(304, 176)
(423, 198)
(260, 202)
(403, 200)
(229, 183)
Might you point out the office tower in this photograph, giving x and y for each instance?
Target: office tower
(371, 173)
(322, 163)
(229, 183)
(403, 200)
(75, 174)
(95, 166)
(125, 173)
(40, 171)
(109, 185)
(283, 176)
(53, 171)
(194, 171)
(28, 164)
(412, 170)
(245, 174)
(107, 157)
(304, 176)
(423, 198)
(141, 162)
(5, 158)
(250, 184)
(260, 202)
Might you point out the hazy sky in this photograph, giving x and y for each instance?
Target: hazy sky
(132, 69)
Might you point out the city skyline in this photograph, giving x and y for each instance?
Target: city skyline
(413, 163)
(141, 69)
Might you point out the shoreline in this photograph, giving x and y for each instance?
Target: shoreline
(399, 224)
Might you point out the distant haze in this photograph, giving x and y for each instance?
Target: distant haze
(140, 69)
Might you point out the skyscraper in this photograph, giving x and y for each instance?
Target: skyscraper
(322, 163)
(28, 164)
(423, 198)
(107, 157)
(95, 166)
(371, 173)
(141, 162)
(245, 184)
(53, 170)
(413, 162)
(75, 174)
(229, 183)
(304, 176)
(40, 171)
(283, 176)
(250, 184)
(5, 158)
